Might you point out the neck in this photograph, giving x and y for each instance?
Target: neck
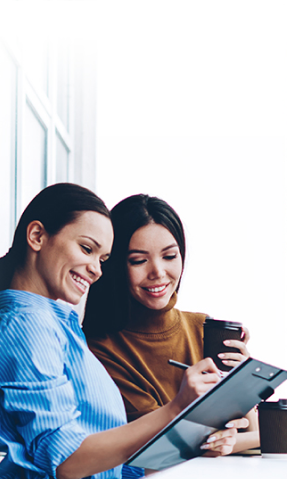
(21, 281)
(25, 279)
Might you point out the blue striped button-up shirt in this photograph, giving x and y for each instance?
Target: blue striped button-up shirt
(53, 391)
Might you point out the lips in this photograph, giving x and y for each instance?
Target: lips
(156, 289)
(80, 282)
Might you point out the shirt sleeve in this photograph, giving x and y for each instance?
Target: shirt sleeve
(37, 397)
(132, 472)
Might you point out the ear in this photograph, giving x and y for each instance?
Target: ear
(35, 235)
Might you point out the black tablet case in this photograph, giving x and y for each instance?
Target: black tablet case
(245, 386)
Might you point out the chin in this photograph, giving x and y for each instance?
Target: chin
(71, 300)
(157, 305)
(74, 302)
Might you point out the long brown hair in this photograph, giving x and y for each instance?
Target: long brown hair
(55, 206)
(107, 306)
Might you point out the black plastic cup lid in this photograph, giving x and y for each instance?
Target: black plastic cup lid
(281, 404)
(217, 323)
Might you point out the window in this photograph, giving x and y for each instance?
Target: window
(62, 160)
(8, 102)
(47, 115)
(33, 171)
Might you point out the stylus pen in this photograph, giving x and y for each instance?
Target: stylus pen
(177, 364)
(181, 365)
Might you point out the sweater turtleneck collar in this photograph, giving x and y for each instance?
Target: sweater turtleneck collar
(146, 320)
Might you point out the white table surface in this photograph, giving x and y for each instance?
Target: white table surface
(229, 467)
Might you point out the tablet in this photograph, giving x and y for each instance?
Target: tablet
(231, 398)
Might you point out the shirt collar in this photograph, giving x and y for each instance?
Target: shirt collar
(21, 298)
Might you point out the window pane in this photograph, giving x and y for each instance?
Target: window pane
(62, 161)
(7, 148)
(36, 60)
(33, 168)
(63, 84)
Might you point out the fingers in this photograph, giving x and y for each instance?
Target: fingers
(241, 423)
(206, 366)
(222, 442)
(232, 359)
(202, 376)
(231, 363)
(205, 372)
(197, 379)
(246, 335)
(233, 343)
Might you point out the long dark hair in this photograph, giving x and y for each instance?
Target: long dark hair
(107, 306)
(55, 206)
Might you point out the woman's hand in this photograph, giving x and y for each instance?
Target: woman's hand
(197, 379)
(221, 443)
(233, 359)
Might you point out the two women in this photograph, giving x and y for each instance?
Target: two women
(141, 328)
(61, 414)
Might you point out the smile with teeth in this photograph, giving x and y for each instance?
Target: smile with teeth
(80, 281)
(156, 290)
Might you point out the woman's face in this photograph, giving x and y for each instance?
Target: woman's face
(154, 265)
(70, 261)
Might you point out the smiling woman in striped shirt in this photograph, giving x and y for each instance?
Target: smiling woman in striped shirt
(61, 414)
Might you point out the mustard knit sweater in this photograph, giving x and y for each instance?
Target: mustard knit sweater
(137, 357)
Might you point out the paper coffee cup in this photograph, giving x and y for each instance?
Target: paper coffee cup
(215, 332)
(273, 429)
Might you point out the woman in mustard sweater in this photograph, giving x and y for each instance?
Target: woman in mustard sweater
(140, 328)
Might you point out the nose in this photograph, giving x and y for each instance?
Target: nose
(156, 270)
(94, 268)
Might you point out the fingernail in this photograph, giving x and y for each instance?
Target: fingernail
(211, 439)
(229, 424)
(204, 446)
(221, 355)
(226, 342)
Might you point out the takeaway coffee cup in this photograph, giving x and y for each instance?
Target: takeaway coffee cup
(215, 332)
(273, 428)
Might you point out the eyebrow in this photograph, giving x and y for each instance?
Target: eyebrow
(141, 251)
(93, 240)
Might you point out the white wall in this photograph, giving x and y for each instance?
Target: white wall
(191, 107)
(47, 101)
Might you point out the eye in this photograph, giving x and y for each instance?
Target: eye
(136, 261)
(170, 257)
(86, 249)
(103, 260)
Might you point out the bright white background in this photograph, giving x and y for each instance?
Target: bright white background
(192, 101)
(191, 107)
